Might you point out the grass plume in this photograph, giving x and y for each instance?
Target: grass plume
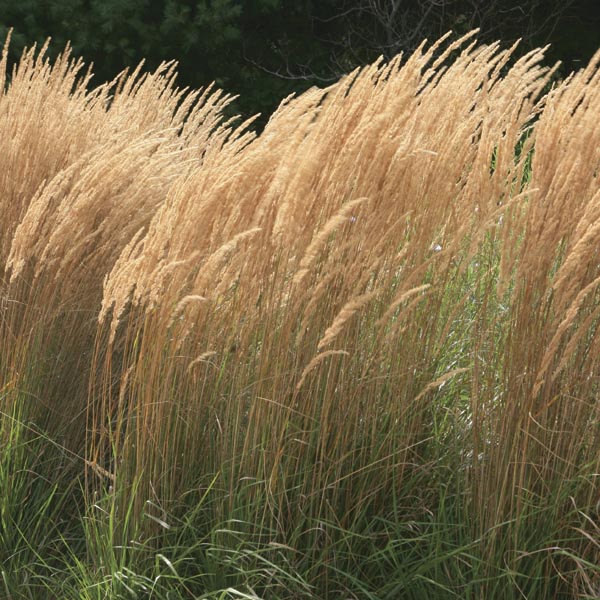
(172, 286)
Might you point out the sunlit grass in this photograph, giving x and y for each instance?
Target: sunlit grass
(353, 357)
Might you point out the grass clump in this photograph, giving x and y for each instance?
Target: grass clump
(354, 356)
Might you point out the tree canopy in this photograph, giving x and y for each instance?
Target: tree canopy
(264, 50)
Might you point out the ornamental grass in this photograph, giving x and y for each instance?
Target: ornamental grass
(355, 355)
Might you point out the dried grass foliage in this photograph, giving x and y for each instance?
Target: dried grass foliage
(216, 266)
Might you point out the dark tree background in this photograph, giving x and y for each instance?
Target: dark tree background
(265, 49)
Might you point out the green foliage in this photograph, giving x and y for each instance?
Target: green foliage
(37, 508)
(209, 39)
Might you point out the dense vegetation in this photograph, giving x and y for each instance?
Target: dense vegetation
(355, 356)
(264, 50)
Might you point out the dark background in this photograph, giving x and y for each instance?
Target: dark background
(265, 49)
